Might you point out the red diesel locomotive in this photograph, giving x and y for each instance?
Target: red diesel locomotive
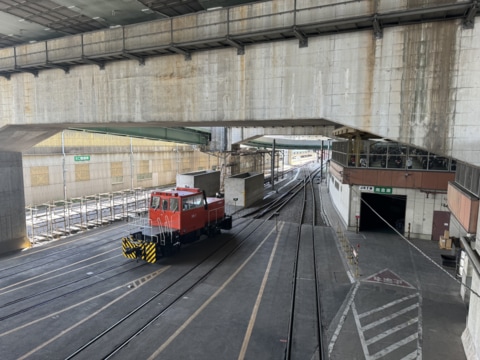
(176, 217)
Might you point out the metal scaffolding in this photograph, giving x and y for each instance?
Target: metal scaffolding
(58, 219)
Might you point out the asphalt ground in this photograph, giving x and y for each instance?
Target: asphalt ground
(56, 300)
(230, 297)
(401, 303)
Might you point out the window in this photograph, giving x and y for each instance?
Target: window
(39, 175)
(82, 172)
(116, 171)
(144, 172)
(155, 202)
(164, 204)
(173, 204)
(192, 202)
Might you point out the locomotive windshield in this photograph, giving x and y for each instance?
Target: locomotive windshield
(173, 204)
(155, 202)
(158, 202)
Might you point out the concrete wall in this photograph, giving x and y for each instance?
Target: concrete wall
(420, 207)
(248, 188)
(340, 195)
(111, 162)
(96, 163)
(417, 85)
(418, 213)
(471, 335)
(209, 181)
(13, 234)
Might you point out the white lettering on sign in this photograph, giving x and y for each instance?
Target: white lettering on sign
(366, 188)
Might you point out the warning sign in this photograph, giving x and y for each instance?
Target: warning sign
(389, 278)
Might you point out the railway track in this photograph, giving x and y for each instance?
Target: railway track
(16, 303)
(67, 247)
(303, 198)
(305, 254)
(198, 273)
(113, 311)
(187, 287)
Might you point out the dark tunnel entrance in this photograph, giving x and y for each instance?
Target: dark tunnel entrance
(390, 207)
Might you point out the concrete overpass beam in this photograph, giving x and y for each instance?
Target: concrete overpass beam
(241, 134)
(13, 234)
(469, 21)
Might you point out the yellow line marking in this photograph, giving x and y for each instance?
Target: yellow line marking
(253, 317)
(206, 303)
(52, 271)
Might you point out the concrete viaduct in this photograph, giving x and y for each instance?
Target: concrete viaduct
(408, 71)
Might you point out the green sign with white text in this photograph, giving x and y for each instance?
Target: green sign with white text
(81, 157)
(383, 190)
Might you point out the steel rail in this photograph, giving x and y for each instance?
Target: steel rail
(167, 306)
(319, 333)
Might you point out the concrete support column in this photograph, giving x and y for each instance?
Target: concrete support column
(13, 235)
(219, 139)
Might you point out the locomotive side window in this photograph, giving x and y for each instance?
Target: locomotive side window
(155, 202)
(192, 202)
(173, 204)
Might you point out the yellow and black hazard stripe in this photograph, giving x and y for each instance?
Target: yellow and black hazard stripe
(129, 247)
(139, 250)
(149, 252)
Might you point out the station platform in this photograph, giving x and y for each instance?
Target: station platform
(402, 303)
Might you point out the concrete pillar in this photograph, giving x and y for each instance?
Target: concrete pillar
(13, 235)
(219, 139)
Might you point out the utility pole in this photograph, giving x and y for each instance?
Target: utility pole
(272, 174)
